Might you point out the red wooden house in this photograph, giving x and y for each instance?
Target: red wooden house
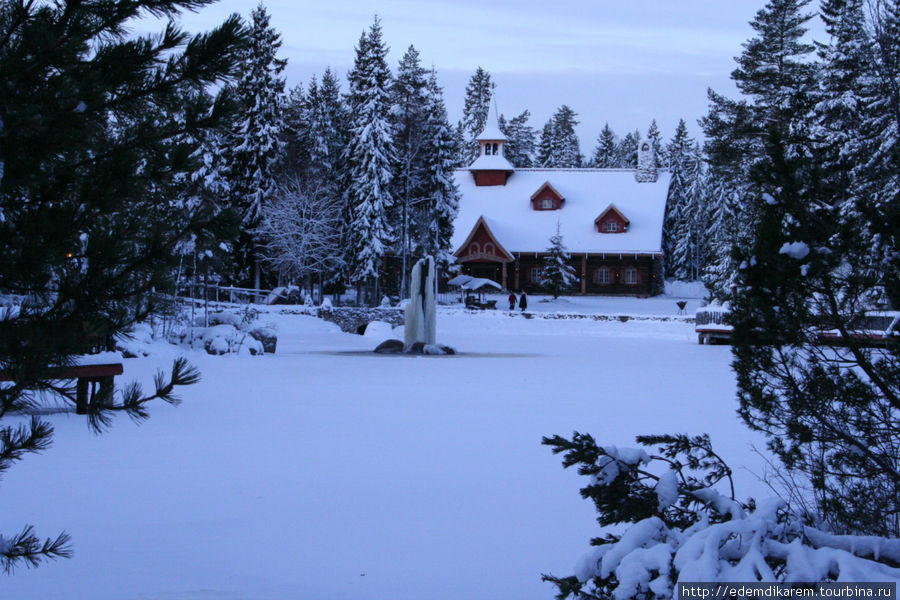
(611, 221)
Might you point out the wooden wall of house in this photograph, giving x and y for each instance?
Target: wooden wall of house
(490, 178)
(647, 271)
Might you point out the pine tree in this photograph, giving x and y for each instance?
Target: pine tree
(256, 141)
(803, 261)
(370, 159)
(606, 152)
(442, 202)
(475, 114)
(101, 132)
(557, 275)
(520, 145)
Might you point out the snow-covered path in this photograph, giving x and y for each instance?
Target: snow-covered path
(323, 473)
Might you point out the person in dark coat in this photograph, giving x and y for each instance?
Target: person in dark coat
(523, 301)
(512, 301)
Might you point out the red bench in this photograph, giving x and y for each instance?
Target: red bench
(95, 383)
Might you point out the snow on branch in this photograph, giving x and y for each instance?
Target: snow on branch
(668, 523)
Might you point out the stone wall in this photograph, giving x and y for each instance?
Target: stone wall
(354, 320)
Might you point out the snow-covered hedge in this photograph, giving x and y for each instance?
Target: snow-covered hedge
(674, 523)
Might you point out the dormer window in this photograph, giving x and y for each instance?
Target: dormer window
(547, 198)
(612, 220)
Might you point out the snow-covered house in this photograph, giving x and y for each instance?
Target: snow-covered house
(611, 221)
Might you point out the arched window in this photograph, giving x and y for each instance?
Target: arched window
(631, 276)
(494, 149)
(489, 248)
(645, 147)
(487, 149)
(601, 276)
(474, 248)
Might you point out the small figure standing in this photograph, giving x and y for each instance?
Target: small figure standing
(523, 301)
(512, 301)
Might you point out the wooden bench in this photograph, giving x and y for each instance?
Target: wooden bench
(95, 383)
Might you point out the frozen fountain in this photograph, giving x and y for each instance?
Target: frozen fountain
(420, 319)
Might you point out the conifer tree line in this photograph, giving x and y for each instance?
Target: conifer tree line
(340, 178)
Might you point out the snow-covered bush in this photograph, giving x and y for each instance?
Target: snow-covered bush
(669, 521)
(222, 339)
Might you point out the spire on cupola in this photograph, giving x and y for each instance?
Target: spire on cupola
(491, 167)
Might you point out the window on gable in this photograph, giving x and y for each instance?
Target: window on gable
(601, 276)
(488, 248)
(474, 248)
(610, 227)
(547, 203)
(631, 276)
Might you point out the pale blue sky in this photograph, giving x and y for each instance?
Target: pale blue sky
(621, 61)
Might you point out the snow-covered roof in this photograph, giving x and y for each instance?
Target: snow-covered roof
(493, 162)
(477, 283)
(509, 213)
(460, 280)
(491, 131)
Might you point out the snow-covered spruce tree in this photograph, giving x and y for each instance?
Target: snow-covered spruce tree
(561, 148)
(409, 134)
(475, 114)
(205, 253)
(879, 177)
(840, 108)
(323, 136)
(521, 140)
(685, 223)
(628, 150)
(557, 274)
(256, 140)
(99, 139)
(545, 146)
(673, 517)
(653, 136)
(606, 152)
(294, 128)
(369, 158)
(442, 200)
(777, 81)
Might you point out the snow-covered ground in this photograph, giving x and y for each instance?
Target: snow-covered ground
(327, 472)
